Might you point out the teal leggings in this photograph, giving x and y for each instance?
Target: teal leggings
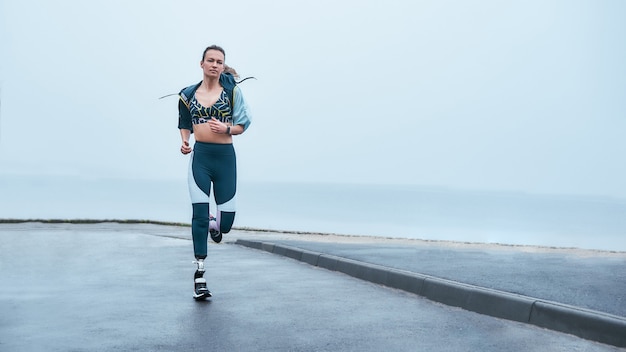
(211, 164)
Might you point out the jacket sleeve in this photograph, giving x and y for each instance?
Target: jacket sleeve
(241, 112)
(184, 117)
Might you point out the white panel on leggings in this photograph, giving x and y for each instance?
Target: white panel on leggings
(196, 194)
(229, 206)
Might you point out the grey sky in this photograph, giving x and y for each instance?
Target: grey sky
(496, 95)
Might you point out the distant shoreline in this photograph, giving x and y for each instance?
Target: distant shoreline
(330, 236)
(91, 221)
(155, 222)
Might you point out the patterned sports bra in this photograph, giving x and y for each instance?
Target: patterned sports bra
(220, 110)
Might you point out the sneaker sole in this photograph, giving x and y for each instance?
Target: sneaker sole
(202, 296)
(216, 236)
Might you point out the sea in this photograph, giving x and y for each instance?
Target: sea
(395, 211)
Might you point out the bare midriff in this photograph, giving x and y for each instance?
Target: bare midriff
(202, 133)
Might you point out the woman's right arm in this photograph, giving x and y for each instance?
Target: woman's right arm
(185, 126)
(184, 135)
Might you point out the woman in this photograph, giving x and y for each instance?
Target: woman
(214, 110)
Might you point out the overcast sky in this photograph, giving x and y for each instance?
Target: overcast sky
(491, 95)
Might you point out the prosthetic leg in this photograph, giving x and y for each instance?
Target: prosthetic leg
(200, 289)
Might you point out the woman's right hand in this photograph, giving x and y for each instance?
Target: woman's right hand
(185, 148)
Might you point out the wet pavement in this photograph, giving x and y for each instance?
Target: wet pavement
(589, 279)
(125, 287)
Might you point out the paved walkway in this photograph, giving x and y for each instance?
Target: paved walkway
(570, 290)
(124, 287)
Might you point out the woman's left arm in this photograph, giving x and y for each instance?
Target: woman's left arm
(241, 113)
(236, 129)
(241, 117)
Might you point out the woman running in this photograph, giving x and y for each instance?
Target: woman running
(214, 110)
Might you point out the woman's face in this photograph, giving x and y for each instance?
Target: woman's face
(213, 63)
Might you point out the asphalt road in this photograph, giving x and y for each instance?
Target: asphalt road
(114, 287)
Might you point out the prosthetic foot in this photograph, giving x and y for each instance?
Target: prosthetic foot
(200, 290)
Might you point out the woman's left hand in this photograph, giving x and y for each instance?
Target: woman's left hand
(217, 126)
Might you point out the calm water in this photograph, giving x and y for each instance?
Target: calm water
(391, 211)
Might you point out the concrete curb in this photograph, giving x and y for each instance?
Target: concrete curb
(584, 323)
